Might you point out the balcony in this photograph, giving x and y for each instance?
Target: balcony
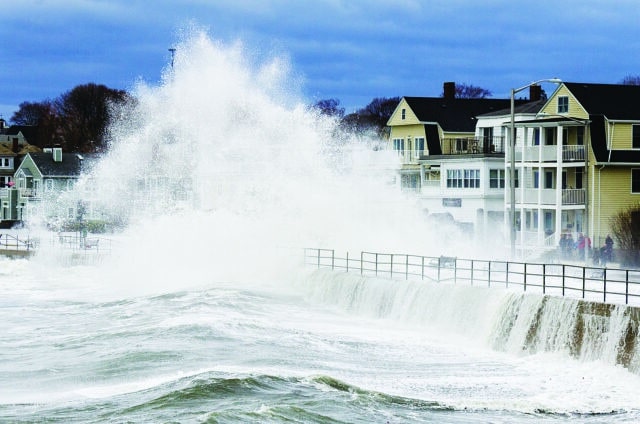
(547, 197)
(570, 153)
(473, 145)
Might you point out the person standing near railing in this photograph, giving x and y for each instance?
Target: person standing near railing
(581, 244)
(608, 248)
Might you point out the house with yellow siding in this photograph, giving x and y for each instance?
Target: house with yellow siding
(445, 161)
(578, 163)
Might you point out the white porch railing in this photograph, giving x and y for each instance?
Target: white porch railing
(570, 153)
(546, 196)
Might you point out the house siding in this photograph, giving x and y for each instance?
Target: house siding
(575, 108)
(620, 135)
(612, 194)
(409, 119)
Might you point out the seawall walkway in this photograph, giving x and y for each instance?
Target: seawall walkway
(595, 284)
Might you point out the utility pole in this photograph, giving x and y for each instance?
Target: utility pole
(173, 54)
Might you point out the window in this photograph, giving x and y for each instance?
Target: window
(536, 136)
(419, 146)
(635, 137)
(496, 178)
(404, 113)
(563, 104)
(467, 178)
(48, 185)
(635, 180)
(580, 136)
(579, 173)
(398, 144)
(548, 179)
(536, 179)
(550, 136)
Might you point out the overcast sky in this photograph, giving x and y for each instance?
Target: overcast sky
(346, 49)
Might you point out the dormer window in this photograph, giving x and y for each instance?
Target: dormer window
(563, 104)
(404, 113)
(635, 136)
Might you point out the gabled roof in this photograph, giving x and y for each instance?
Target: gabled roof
(71, 165)
(455, 115)
(614, 101)
(30, 132)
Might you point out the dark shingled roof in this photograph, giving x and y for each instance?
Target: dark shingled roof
(614, 101)
(28, 131)
(72, 164)
(528, 107)
(455, 115)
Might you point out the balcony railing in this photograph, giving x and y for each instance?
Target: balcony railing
(549, 153)
(548, 196)
(473, 145)
(576, 196)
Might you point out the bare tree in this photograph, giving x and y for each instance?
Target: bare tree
(469, 91)
(625, 226)
(42, 115)
(85, 113)
(329, 107)
(631, 80)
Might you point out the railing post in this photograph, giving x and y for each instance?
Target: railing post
(361, 263)
(544, 279)
(563, 280)
(525, 276)
(333, 259)
(376, 264)
(506, 283)
(422, 268)
(489, 275)
(392, 265)
(626, 288)
(406, 269)
(604, 291)
(347, 261)
(584, 281)
(472, 272)
(318, 258)
(455, 271)
(439, 265)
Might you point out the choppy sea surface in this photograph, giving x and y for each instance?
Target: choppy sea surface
(74, 351)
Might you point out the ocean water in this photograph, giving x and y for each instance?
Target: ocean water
(72, 350)
(201, 312)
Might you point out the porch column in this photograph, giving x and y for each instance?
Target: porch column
(559, 168)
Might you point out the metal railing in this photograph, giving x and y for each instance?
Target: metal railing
(76, 242)
(472, 145)
(13, 242)
(606, 285)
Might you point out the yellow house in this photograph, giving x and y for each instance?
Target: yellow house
(439, 126)
(583, 163)
(452, 165)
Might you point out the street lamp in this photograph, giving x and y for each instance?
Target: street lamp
(512, 157)
(173, 54)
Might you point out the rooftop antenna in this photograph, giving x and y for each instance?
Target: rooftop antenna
(173, 54)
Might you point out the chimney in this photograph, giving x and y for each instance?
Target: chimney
(57, 154)
(535, 92)
(449, 89)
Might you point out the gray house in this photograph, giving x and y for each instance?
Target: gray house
(40, 180)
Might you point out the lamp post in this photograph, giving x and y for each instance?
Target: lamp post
(512, 160)
(173, 54)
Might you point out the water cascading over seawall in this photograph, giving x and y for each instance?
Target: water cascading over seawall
(508, 321)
